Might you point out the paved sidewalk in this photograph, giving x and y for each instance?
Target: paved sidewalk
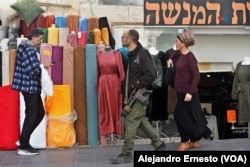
(98, 156)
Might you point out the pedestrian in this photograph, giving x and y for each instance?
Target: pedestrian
(189, 117)
(140, 76)
(27, 80)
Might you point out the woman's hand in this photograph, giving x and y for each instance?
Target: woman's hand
(188, 97)
(170, 63)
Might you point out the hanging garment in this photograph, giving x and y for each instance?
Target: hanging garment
(241, 91)
(110, 76)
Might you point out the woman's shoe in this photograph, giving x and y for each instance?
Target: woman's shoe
(195, 144)
(183, 146)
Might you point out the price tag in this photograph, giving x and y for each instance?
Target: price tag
(231, 116)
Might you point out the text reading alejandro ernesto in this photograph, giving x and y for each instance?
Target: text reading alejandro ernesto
(214, 157)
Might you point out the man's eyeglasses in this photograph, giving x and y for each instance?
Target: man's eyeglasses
(122, 37)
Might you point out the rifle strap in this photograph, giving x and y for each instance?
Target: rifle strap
(126, 86)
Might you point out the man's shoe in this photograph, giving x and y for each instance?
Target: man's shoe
(162, 147)
(27, 151)
(121, 159)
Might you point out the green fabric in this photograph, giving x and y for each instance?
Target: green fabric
(45, 34)
(12, 45)
(29, 10)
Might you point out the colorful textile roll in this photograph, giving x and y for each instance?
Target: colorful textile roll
(1, 68)
(3, 32)
(61, 21)
(103, 22)
(105, 36)
(12, 61)
(24, 29)
(63, 36)
(90, 37)
(9, 118)
(57, 68)
(5, 68)
(53, 35)
(59, 104)
(80, 95)
(68, 69)
(13, 33)
(82, 38)
(72, 22)
(92, 101)
(93, 23)
(49, 20)
(83, 24)
(60, 131)
(38, 137)
(97, 36)
(72, 39)
(46, 51)
(45, 34)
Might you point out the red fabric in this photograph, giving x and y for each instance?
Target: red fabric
(9, 118)
(110, 76)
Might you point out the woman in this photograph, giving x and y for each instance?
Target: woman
(190, 120)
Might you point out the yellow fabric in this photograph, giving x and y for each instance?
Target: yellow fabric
(59, 103)
(60, 133)
(53, 36)
(97, 36)
(105, 35)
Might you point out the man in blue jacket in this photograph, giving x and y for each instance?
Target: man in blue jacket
(27, 80)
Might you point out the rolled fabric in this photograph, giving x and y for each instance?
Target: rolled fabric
(49, 20)
(12, 61)
(82, 38)
(9, 118)
(61, 21)
(92, 99)
(5, 68)
(57, 68)
(68, 68)
(90, 37)
(80, 95)
(93, 23)
(97, 36)
(13, 33)
(46, 51)
(53, 35)
(24, 29)
(59, 104)
(105, 36)
(63, 36)
(45, 34)
(72, 22)
(83, 24)
(1, 67)
(72, 39)
(103, 22)
(4, 32)
(4, 44)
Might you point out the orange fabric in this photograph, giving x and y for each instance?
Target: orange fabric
(60, 102)
(105, 35)
(97, 36)
(72, 22)
(93, 22)
(60, 133)
(12, 63)
(80, 105)
(110, 76)
(49, 20)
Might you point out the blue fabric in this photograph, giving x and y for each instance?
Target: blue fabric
(61, 21)
(92, 99)
(83, 24)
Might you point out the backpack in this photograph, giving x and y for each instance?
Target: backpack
(157, 83)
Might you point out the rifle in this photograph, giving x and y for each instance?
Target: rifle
(137, 94)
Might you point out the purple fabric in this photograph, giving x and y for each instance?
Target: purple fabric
(57, 68)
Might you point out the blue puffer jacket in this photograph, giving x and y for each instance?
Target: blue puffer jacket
(27, 75)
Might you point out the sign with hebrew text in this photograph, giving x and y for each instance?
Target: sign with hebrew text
(196, 12)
